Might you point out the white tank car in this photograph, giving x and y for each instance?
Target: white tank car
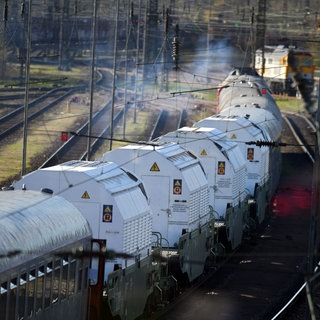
(38, 234)
(116, 206)
(225, 168)
(179, 196)
(244, 125)
(248, 112)
(248, 91)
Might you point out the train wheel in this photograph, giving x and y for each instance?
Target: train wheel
(150, 307)
(210, 264)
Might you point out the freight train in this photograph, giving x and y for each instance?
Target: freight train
(173, 207)
(287, 70)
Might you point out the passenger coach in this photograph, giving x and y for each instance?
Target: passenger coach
(40, 278)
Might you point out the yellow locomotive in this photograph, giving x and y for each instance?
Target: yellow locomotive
(286, 70)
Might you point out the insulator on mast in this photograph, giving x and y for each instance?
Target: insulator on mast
(176, 49)
(260, 143)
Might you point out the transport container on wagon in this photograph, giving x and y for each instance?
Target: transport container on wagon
(116, 206)
(182, 202)
(252, 125)
(225, 168)
(179, 198)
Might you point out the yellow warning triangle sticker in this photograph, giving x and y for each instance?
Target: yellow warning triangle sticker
(107, 209)
(203, 153)
(177, 183)
(154, 167)
(85, 195)
(233, 136)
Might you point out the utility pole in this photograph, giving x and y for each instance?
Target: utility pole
(261, 24)
(166, 23)
(61, 35)
(137, 65)
(145, 48)
(64, 34)
(93, 57)
(129, 19)
(261, 29)
(22, 39)
(3, 35)
(208, 41)
(3, 49)
(114, 71)
(252, 39)
(26, 96)
(285, 17)
(176, 49)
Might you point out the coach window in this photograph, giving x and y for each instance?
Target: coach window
(82, 275)
(39, 288)
(85, 278)
(22, 295)
(79, 275)
(12, 298)
(64, 281)
(48, 285)
(56, 280)
(30, 292)
(72, 277)
(93, 271)
(3, 298)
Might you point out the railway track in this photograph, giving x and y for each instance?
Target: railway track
(299, 133)
(303, 132)
(14, 120)
(77, 144)
(257, 281)
(12, 98)
(167, 122)
(76, 147)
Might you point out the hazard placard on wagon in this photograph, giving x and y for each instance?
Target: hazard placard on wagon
(107, 213)
(154, 167)
(203, 153)
(221, 167)
(250, 154)
(177, 186)
(85, 195)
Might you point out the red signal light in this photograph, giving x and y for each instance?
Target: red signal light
(64, 136)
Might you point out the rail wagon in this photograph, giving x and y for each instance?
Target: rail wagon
(116, 206)
(39, 276)
(225, 169)
(179, 197)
